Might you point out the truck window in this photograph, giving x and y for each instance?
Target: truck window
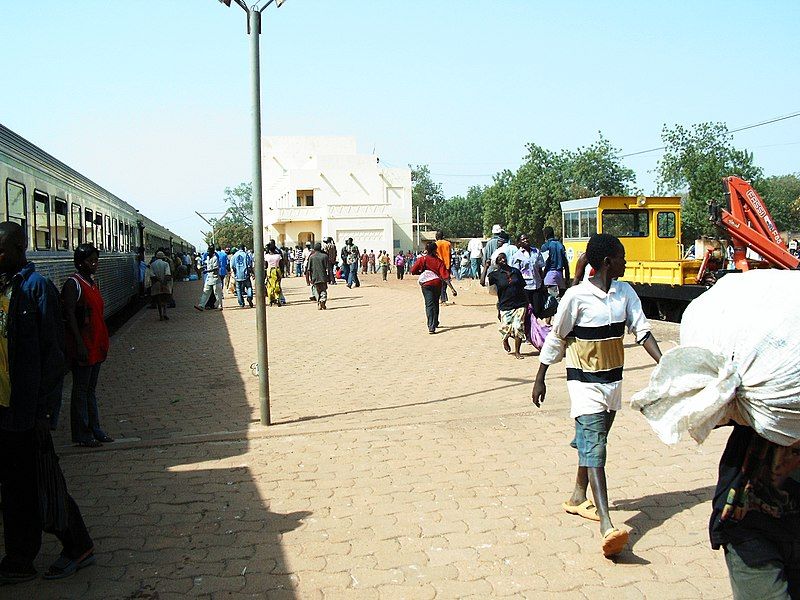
(626, 223)
(665, 222)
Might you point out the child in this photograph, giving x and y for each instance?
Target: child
(589, 327)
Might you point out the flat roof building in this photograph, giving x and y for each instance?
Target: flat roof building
(319, 186)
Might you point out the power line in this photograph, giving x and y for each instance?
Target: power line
(738, 129)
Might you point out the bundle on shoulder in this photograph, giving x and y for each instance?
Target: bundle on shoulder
(738, 359)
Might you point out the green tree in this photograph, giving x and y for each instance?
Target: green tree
(781, 194)
(694, 163)
(529, 200)
(426, 193)
(460, 216)
(235, 227)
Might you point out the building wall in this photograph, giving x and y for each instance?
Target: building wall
(354, 196)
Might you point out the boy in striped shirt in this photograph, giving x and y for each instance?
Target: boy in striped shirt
(588, 329)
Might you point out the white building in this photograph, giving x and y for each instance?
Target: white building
(315, 187)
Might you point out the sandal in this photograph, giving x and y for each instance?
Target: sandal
(89, 444)
(585, 509)
(104, 438)
(614, 542)
(65, 566)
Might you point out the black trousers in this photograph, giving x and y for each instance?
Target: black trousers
(431, 294)
(22, 525)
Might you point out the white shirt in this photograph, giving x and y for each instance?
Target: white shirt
(475, 248)
(531, 265)
(588, 329)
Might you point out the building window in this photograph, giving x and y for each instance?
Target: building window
(305, 197)
(41, 220)
(88, 235)
(77, 226)
(626, 223)
(16, 209)
(665, 222)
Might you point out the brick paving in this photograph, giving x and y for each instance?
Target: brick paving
(401, 465)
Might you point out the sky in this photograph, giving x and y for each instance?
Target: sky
(151, 98)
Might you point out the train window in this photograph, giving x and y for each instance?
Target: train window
(98, 231)
(115, 234)
(107, 226)
(16, 204)
(41, 220)
(665, 222)
(60, 212)
(77, 226)
(88, 235)
(126, 238)
(626, 223)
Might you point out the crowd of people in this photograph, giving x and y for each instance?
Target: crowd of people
(45, 332)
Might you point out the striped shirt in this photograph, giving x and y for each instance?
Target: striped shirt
(588, 329)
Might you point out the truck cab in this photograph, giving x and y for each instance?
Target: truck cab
(649, 228)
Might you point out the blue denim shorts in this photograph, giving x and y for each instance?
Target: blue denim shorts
(591, 437)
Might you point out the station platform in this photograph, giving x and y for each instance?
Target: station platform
(399, 465)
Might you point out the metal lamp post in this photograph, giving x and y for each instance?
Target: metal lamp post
(254, 29)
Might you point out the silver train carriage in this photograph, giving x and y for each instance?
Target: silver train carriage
(60, 209)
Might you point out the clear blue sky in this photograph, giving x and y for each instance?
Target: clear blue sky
(150, 98)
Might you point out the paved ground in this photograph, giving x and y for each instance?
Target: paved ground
(401, 465)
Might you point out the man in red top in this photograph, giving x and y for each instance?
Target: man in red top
(443, 250)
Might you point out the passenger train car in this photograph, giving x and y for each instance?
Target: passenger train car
(60, 209)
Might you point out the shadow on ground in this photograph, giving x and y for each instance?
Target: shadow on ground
(171, 520)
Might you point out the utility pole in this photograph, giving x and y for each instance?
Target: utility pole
(254, 29)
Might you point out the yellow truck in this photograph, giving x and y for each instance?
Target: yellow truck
(650, 229)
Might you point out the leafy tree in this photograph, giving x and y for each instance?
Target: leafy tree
(426, 193)
(460, 216)
(235, 227)
(529, 200)
(781, 193)
(695, 161)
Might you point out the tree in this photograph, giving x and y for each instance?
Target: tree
(781, 194)
(460, 216)
(529, 200)
(426, 193)
(235, 227)
(695, 161)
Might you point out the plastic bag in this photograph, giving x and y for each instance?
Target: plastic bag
(739, 359)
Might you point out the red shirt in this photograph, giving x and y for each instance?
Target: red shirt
(89, 314)
(434, 264)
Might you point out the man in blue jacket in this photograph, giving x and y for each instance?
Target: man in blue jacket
(32, 487)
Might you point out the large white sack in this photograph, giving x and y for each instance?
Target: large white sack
(739, 357)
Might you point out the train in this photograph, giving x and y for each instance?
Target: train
(60, 209)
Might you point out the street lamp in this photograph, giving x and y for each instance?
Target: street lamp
(254, 29)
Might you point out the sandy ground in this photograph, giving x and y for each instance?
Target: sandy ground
(399, 465)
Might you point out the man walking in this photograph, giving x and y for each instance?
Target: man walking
(31, 373)
(444, 251)
(352, 260)
(317, 275)
(330, 250)
(242, 267)
(475, 248)
(213, 283)
(224, 271)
